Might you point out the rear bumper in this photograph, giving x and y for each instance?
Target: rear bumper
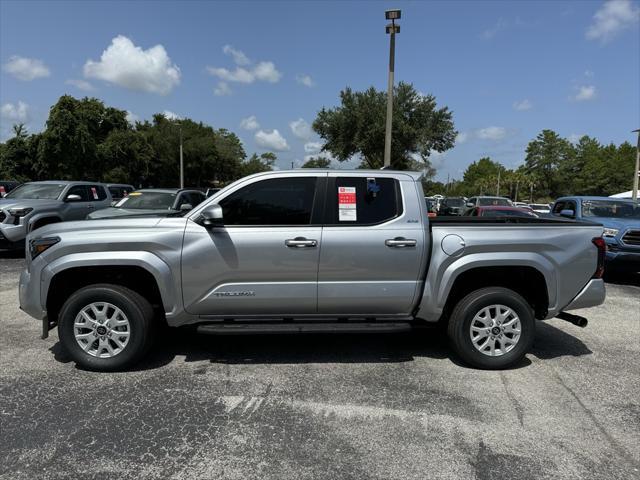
(591, 295)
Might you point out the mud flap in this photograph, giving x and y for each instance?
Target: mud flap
(46, 326)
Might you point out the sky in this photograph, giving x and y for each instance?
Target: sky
(262, 69)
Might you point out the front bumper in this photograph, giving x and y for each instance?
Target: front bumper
(623, 259)
(12, 236)
(29, 295)
(591, 295)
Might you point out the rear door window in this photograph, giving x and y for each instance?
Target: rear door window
(362, 200)
(96, 193)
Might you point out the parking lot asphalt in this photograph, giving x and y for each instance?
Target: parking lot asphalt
(325, 407)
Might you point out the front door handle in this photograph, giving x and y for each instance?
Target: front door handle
(400, 242)
(300, 242)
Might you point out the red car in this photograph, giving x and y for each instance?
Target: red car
(500, 211)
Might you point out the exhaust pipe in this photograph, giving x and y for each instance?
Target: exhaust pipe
(575, 319)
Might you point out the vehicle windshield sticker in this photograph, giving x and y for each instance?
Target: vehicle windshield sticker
(2, 190)
(94, 192)
(347, 204)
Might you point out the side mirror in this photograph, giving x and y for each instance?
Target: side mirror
(212, 216)
(73, 198)
(567, 213)
(185, 207)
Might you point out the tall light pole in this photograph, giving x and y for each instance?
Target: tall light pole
(636, 172)
(391, 29)
(181, 162)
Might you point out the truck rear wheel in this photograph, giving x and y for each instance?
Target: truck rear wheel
(106, 327)
(492, 328)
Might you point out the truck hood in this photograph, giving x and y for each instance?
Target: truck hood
(7, 203)
(112, 212)
(96, 225)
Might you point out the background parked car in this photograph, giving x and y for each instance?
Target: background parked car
(152, 202)
(35, 204)
(119, 191)
(6, 186)
(452, 206)
(484, 201)
(499, 211)
(542, 209)
(620, 219)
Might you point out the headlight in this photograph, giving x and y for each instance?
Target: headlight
(17, 213)
(610, 232)
(39, 245)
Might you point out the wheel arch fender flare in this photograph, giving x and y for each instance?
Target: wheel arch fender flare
(148, 261)
(440, 282)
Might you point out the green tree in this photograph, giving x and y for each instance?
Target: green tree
(545, 155)
(317, 162)
(257, 164)
(481, 177)
(357, 127)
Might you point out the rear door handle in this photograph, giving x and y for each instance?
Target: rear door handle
(400, 242)
(300, 242)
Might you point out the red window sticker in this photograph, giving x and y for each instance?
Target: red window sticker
(95, 193)
(2, 191)
(347, 204)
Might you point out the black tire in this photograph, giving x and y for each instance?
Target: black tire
(460, 324)
(138, 311)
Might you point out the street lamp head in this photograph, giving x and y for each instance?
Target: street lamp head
(634, 131)
(392, 14)
(392, 28)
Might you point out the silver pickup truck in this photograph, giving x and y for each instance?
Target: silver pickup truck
(310, 251)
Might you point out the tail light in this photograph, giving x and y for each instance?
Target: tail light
(602, 251)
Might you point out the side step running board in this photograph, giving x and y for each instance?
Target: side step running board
(258, 328)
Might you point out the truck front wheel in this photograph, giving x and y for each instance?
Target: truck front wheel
(106, 327)
(492, 328)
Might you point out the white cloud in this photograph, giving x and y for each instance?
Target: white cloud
(250, 123)
(462, 137)
(80, 84)
(585, 93)
(301, 129)
(271, 140)
(239, 58)
(492, 133)
(489, 33)
(169, 115)
(612, 18)
(312, 147)
(305, 80)
(523, 105)
(129, 66)
(222, 89)
(15, 113)
(588, 73)
(132, 118)
(575, 137)
(26, 69)
(246, 72)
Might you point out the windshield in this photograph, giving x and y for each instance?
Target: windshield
(147, 201)
(48, 191)
(494, 201)
(454, 202)
(506, 213)
(610, 209)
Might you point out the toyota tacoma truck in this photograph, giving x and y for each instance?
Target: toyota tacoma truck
(310, 251)
(35, 204)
